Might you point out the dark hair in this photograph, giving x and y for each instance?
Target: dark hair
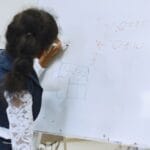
(30, 32)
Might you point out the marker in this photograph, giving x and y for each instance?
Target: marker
(65, 46)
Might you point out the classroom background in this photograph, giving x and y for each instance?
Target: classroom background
(102, 96)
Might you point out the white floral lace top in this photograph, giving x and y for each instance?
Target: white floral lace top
(19, 112)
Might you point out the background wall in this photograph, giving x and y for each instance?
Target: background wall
(104, 74)
(8, 9)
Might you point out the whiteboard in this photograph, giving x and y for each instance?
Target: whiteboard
(8, 9)
(102, 86)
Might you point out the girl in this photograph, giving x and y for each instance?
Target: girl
(30, 35)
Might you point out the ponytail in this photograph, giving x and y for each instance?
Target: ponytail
(16, 79)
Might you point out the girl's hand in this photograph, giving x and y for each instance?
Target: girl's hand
(49, 54)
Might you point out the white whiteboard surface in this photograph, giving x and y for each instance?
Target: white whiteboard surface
(104, 76)
(8, 8)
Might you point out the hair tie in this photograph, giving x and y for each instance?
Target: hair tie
(28, 34)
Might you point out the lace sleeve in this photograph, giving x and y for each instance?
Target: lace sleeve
(20, 118)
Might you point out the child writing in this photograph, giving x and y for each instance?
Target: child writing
(30, 35)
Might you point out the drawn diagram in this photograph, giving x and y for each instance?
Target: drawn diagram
(78, 79)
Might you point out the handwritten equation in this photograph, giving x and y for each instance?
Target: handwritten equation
(124, 25)
(119, 45)
(114, 47)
